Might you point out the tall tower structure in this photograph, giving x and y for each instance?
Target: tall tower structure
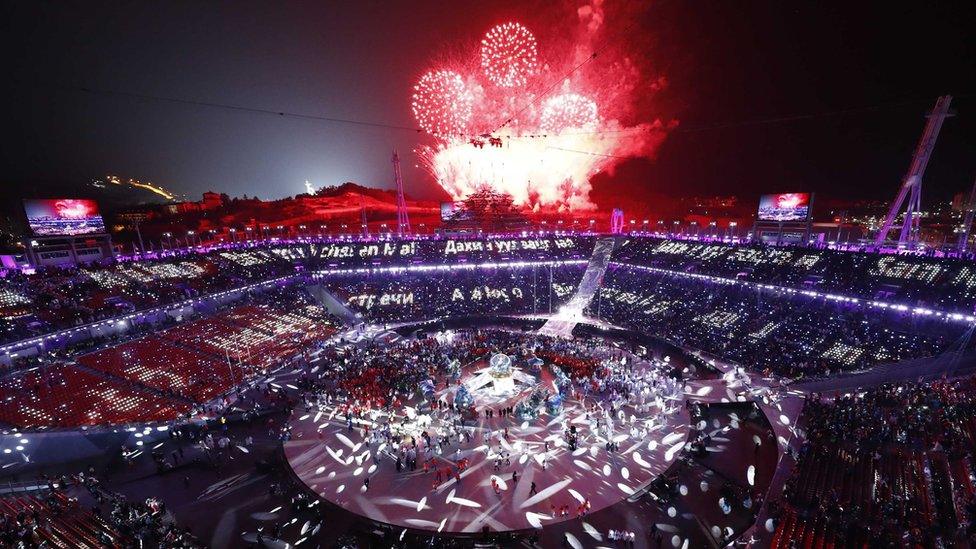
(403, 220)
(617, 221)
(911, 187)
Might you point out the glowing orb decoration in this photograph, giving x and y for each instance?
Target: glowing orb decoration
(442, 103)
(508, 55)
(500, 379)
(569, 111)
(500, 365)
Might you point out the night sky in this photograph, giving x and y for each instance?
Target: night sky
(730, 65)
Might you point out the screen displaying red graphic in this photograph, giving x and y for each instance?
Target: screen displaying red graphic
(784, 207)
(64, 217)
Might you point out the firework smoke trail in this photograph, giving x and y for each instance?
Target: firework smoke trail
(551, 145)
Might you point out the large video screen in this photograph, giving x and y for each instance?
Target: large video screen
(64, 217)
(784, 207)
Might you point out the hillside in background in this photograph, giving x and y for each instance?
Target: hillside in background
(331, 207)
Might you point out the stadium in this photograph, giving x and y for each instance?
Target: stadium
(587, 274)
(496, 389)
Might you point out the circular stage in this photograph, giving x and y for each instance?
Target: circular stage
(500, 472)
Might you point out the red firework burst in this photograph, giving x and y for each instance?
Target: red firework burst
(442, 103)
(569, 110)
(508, 55)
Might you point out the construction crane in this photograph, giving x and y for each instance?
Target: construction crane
(403, 221)
(911, 187)
(967, 222)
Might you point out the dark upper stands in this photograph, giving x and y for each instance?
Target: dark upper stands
(919, 281)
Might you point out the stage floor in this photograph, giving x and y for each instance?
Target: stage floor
(333, 462)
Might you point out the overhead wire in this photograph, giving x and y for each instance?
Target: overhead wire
(635, 130)
(238, 108)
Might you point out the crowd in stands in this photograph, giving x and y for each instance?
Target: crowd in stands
(437, 250)
(888, 467)
(796, 336)
(60, 297)
(947, 284)
(793, 336)
(256, 335)
(155, 362)
(168, 373)
(503, 290)
(67, 396)
(54, 298)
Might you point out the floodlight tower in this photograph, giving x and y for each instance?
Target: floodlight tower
(911, 187)
(617, 221)
(967, 222)
(403, 220)
(362, 215)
